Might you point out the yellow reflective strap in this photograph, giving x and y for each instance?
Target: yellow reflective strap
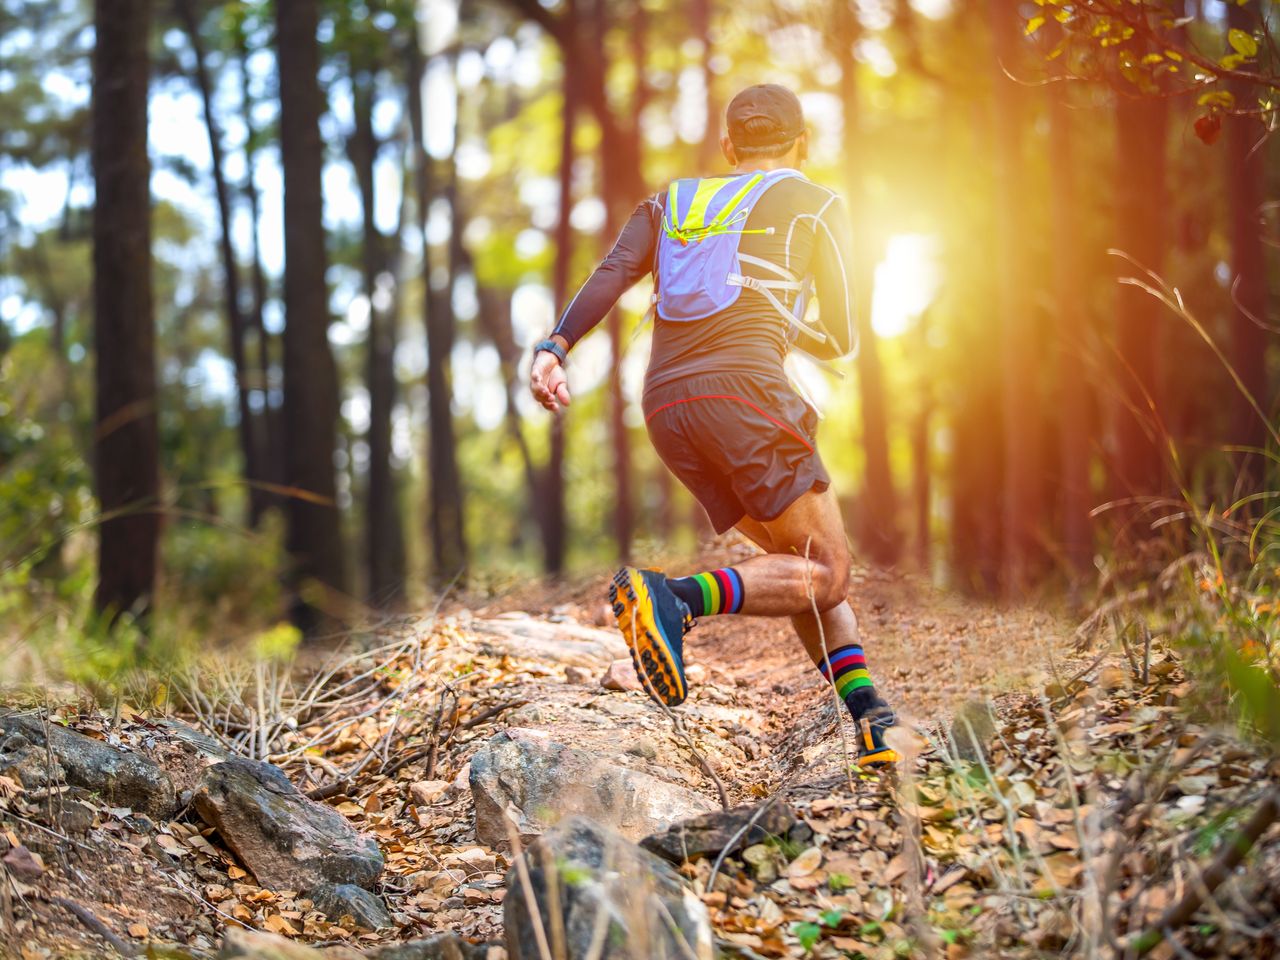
(736, 199)
(696, 217)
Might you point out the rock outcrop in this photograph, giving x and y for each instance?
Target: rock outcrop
(123, 779)
(288, 841)
(615, 901)
(541, 781)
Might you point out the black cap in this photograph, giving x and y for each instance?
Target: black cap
(764, 115)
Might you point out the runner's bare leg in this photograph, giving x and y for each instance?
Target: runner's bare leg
(775, 584)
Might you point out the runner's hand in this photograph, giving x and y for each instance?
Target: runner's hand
(548, 382)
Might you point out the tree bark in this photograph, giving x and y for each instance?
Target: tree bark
(877, 526)
(272, 427)
(620, 165)
(1245, 186)
(445, 504)
(1023, 462)
(1072, 322)
(1141, 125)
(384, 543)
(709, 148)
(247, 427)
(310, 376)
(126, 447)
(552, 506)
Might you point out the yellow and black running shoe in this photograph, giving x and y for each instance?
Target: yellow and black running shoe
(872, 750)
(653, 621)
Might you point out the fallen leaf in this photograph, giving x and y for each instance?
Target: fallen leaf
(805, 864)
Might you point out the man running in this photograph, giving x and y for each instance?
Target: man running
(719, 408)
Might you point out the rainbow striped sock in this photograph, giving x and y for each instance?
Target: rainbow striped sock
(852, 681)
(719, 591)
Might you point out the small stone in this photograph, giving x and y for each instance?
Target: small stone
(341, 900)
(696, 673)
(76, 818)
(709, 834)
(23, 864)
(621, 675)
(424, 791)
(463, 780)
(579, 675)
(645, 748)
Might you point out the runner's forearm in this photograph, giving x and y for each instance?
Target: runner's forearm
(629, 260)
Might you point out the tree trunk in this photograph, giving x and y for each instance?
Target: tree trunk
(921, 448)
(126, 454)
(709, 148)
(1245, 182)
(1023, 464)
(272, 430)
(445, 505)
(384, 541)
(619, 162)
(877, 527)
(1141, 124)
(310, 377)
(1072, 322)
(552, 506)
(250, 448)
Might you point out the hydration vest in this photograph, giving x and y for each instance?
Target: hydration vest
(699, 266)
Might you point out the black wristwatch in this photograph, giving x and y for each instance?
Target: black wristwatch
(550, 346)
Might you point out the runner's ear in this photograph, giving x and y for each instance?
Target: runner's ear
(802, 148)
(726, 146)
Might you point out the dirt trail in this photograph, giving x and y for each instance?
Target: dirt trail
(929, 650)
(759, 713)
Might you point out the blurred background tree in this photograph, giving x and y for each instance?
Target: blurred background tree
(362, 215)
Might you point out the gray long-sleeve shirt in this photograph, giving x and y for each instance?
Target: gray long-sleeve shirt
(810, 237)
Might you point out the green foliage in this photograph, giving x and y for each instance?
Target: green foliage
(808, 934)
(222, 575)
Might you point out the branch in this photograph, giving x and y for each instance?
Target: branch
(1229, 857)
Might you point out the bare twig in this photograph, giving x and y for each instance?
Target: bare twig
(328, 790)
(1234, 849)
(86, 916)
(831, 679)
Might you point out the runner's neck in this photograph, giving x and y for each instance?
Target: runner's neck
(763, 166)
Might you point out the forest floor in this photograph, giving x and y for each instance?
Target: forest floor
(1089, 794)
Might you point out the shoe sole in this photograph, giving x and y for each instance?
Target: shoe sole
(651, 655)
(875, 756)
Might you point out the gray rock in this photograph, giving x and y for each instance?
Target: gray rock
(32, 766)
(711, 833)
(544, 781)
(75, 817)
(972, 730)
(122, 779)
(444, 946)
(645, 748)
(565, 643)
(200, 741)
(339, 900)
(288, 841)
(616, 901)
(256, 945)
